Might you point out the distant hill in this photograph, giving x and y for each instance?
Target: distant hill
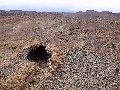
(95, 14)
(88, 14)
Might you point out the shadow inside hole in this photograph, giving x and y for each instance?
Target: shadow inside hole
(39, 55)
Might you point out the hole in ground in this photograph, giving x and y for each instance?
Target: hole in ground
(39, 55)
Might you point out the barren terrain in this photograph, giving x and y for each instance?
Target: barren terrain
(59, 52)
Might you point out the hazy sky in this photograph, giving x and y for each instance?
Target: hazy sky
(62, 5)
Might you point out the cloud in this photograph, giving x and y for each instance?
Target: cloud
(1, 4)
(75, 9)
(73, 5)
(78, 3)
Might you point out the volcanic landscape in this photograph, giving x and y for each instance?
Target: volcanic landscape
(59, 51)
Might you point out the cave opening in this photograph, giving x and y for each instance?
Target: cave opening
(39, 55)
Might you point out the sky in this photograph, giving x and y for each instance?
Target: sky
(61, 5)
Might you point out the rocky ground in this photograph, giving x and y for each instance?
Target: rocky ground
(77, 53)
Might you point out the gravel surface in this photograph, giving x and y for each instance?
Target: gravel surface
(85, 53)
(83, 70)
